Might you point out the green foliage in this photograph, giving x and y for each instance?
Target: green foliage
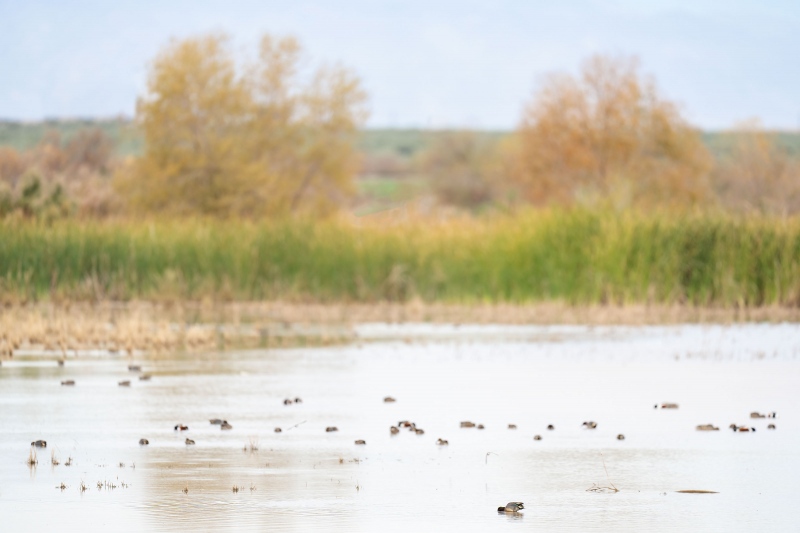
(574, 256)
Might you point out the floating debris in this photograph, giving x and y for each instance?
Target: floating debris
(693, 491)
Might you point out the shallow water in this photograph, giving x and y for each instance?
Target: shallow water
(305, 479)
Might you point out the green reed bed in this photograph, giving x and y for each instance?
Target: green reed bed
(576, 256)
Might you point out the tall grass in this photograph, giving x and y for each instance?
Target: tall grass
(576, 256)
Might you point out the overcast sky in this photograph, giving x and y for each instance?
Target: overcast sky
(434, 63)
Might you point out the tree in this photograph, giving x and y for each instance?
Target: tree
(224, 139)
(607, 135)
(461, 166)
(759, 174)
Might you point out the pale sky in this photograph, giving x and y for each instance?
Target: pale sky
(446, 63)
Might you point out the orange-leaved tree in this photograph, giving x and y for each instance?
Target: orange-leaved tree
(224, 139)
(607, 135)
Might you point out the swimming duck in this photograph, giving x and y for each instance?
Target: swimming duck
(467, 424)
(189, 442)
(278, 430)
(442, 442)
(225, 425)
(216, 421)
(60, 362)
(298, 400)
(134, 368)
(125, 383)
(181, 427)
(145, 377)
(389, 399)
(512, 426)
(144, 442)
(511, 507)
(537, 437)
(287, 401)
(331, 429)
(419, 431)
(771, 426)
(393, 430)
(620, 437)
(39, 443)
(68, 382)
(361, 441)
(666, 406)
(479, 426)
(590, 425)
(707, 427)
(755, 414)
(550, 427)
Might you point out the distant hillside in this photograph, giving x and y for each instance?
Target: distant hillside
(400, 143)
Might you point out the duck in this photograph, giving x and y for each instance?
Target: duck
(125, 383)
(666, 406)
(278, 430)
(134, 368)
(143, 442)
(479, 426)
(620, 437)
(771, 426)
(225, 425)
(331, 429)
(442, 442)
(298, 400)
(145, 377)
(537, 437)
(181, 427)
(550, 427)
(68, 382)
(361, 441)
(394, 430)
(389, 399)
(756, 414)
(707, 427)
(287, 401)
(467, 424)
(590, 425)
(419, 431)
(405, 424)
(217, 421)
(511, 507)
(60, 362)
(39, 443)
(189, 441)
(512, 426)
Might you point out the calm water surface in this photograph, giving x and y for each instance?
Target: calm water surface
(305, 479)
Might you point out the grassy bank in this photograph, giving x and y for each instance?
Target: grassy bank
(574, 257)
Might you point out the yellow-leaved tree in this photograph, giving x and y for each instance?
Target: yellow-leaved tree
(226, 139)
(607, 135)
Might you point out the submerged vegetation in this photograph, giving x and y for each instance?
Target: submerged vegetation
(576, 256)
